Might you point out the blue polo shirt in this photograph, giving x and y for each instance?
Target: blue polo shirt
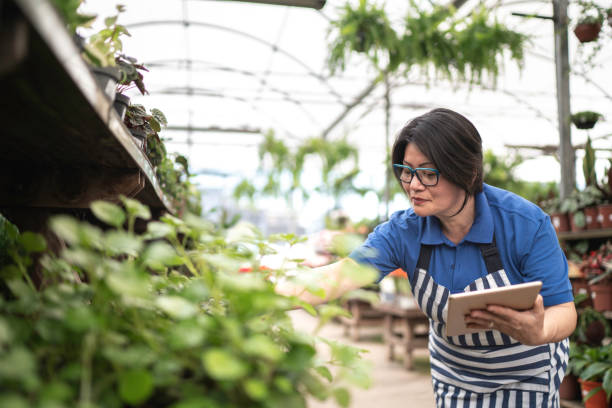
(524, 235)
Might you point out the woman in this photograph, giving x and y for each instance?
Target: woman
(462, 235)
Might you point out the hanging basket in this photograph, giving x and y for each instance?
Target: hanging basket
(587, 32)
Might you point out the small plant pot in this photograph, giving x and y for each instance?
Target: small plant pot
(604, 215)
(121, 104)
(592, 220)
(598, 400)
(569, 388)
(587, 32)
(601, 294)
(107, 79)
(560, 221)
(140, 138)
(585, 124)
(575, 226)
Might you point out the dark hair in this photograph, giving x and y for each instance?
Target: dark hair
(451, 142)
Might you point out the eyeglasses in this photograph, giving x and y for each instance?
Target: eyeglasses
(428, 177)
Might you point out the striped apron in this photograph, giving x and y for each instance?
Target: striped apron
(488, 368)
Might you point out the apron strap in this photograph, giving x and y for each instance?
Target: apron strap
(489, 251)
(491, 257)
(424, 257)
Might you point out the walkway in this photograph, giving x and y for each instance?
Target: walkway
(393, 386)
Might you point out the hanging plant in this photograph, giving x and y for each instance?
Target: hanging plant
(585, 119)
(458, 49)
(364, 30)
(588, 24)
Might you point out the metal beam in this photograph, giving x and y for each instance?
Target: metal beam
(566, 152)
(315, 4)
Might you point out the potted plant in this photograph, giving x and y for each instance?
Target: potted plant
(559, 219)
(588, 24)
(585, 119)
(131, 77)
(569, 389)
(600, 278)
(364, 29)
(571, 205)
(591, 328)
(593, 365)
(604, 209)
(144, 127)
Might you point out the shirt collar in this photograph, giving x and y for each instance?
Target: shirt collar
(480, 232)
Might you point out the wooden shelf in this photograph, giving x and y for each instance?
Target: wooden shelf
(586, 234)
(63, 145)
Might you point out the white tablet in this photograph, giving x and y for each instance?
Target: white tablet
(520, 297)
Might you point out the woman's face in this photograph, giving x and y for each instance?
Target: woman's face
(442, 200)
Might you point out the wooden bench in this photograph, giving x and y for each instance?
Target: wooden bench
(363, 314)
(405, 328)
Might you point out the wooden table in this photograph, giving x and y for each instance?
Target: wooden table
(362, 314)
(404, 327)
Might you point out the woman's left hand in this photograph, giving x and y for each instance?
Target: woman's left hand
(525, 326)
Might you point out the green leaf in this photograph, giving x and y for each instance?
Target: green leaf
(156, 229)
(342, 397)
(187, 334)
(160, 254)
(129, 282)
(195, 402)
(120, 242)
(222, 365)
(67, 228)
(14, 401)
(607, 383)
(594, 370)
(135, 208)
(176, 306)
(324, 372)
(109, 213)
(32, 242)
(135, 386)
(256, 389)
(262, 346)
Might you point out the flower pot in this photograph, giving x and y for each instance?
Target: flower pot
(140, 138)
(580, 285)
(560, 221)
(574, 227)
(601, 293)
(121, 104)
(569, 388)
(587, 32)
(107, 79)
(598, 400)
(604, 215)
(592, 221)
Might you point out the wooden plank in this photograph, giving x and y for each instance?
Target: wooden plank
(66, 187)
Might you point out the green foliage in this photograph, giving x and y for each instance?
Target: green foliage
(433, 38)
(162, 319)
(279, 163)
(366, 30)
(104, 46)
(588, 164)
(499, 172)
(594, 364)
(130, 74)
(68, 9)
